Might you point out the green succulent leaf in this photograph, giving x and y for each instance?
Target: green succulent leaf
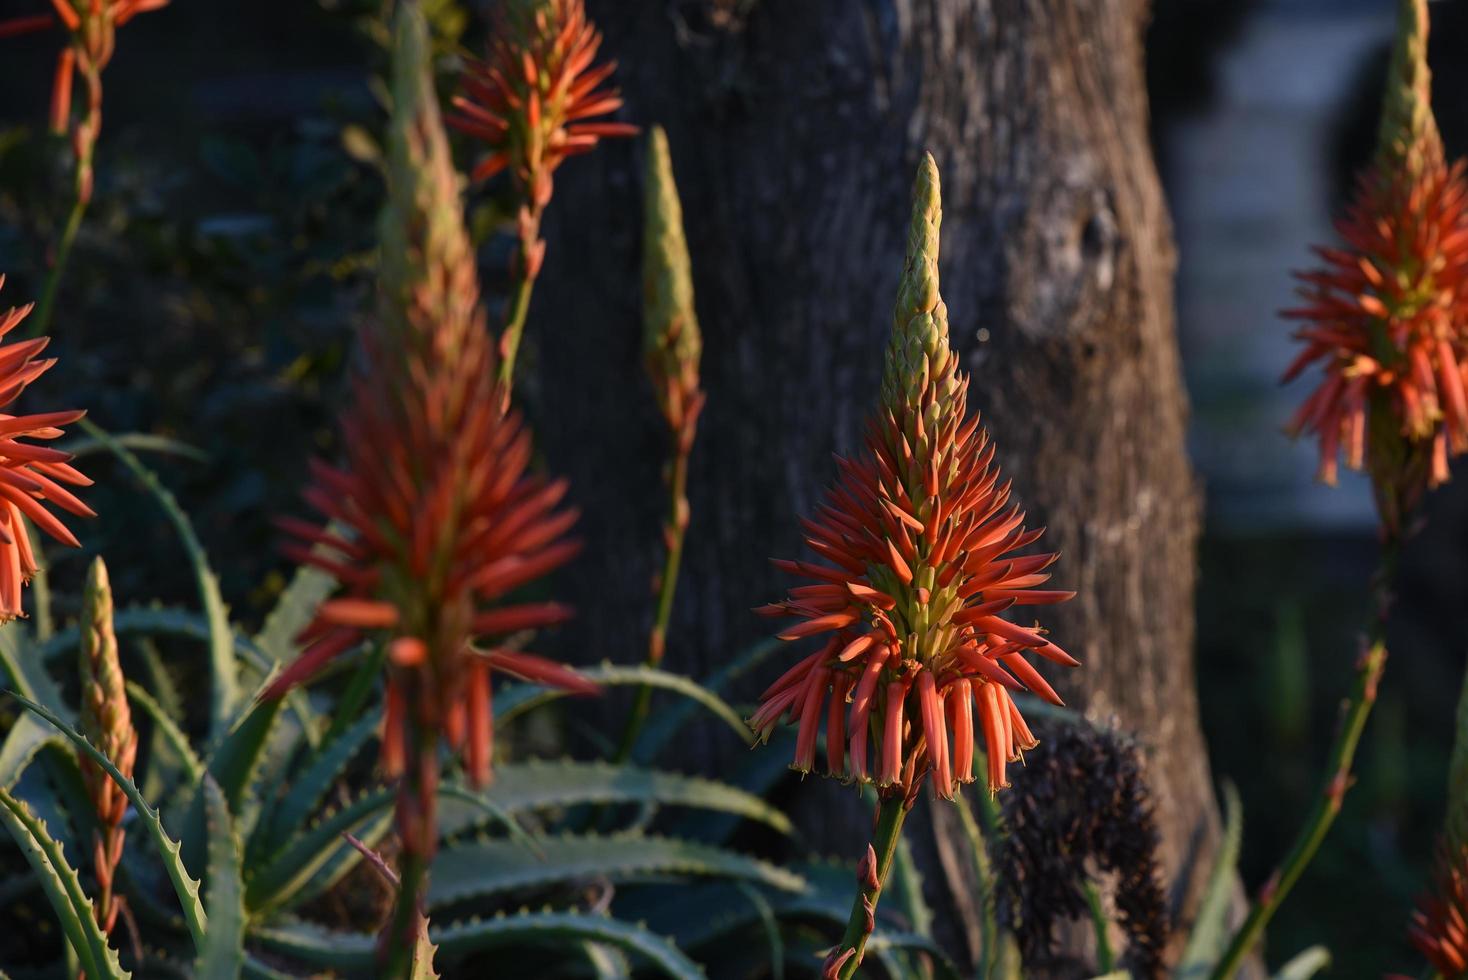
(355, 951)
(223, 955)
(292, 866)
(544, 785)
(517, 699)
(232, 764)
(186, 888)
(1305, 965)
(293, 612)
(309, 787)
(27, 675)
(58, 879)
(1210, 929)
(168, 730)
(26, 738)
(225, 687)
(666, 724)
(481, 868)
(141, 441)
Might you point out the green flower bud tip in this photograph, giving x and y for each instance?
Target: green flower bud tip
(672, 343)
(1409, 135)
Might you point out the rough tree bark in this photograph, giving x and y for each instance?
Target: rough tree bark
(795, 129)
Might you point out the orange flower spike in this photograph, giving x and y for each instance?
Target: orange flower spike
(1386, 318)
(31, 476)
(921, 543)
(530, 100)
(440, 514)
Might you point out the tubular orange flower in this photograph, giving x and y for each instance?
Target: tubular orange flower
(1439, 927)
(918, 543)
(1386, 318)
(534, 102)
(30, 475)
(436, 517)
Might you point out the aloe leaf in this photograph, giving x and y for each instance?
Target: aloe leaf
(224, 691)
(769, 924)
(26, 738)
(482, 868)
(141, 441)
(517, 699)
(310, 785)
(667, 723)
(1210, 928)
(355, 951)
(291, 866)
(27, 675)
(907, 888)
(232, 763)
(63, 889)
(755, 773)
(223, 955)
(606, 962)
(186, 888)
(1305, 965)
(339, 861)
(156, 620)
(293, 611)
(168, 730)
(541, 785)
(359, 689)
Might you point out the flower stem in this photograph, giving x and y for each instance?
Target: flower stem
(45, 307)
(527, 270)
(675, 530)
(1369, 669)
(870, 881)
(406, 921)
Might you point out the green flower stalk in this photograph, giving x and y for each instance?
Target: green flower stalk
(672, 346)
(106, 721)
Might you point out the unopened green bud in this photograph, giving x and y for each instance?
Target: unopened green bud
(918, 354)
(672, 343)
(1409, 138)
(429, 284)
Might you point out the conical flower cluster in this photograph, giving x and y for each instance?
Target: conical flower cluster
(437, 517)
(1386, 317)
(916, 567)
(106, 721)
(535, 99)
(1439, 927)
(30, 475)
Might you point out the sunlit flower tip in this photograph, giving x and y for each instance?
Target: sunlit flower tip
(31, 476)
(1439, 927)
(434, 517)
(918, 546)
(1385, 318)
(535, 99)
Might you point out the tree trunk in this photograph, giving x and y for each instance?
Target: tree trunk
(795, 129)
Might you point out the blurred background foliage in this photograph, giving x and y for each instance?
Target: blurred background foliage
(215, 285)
